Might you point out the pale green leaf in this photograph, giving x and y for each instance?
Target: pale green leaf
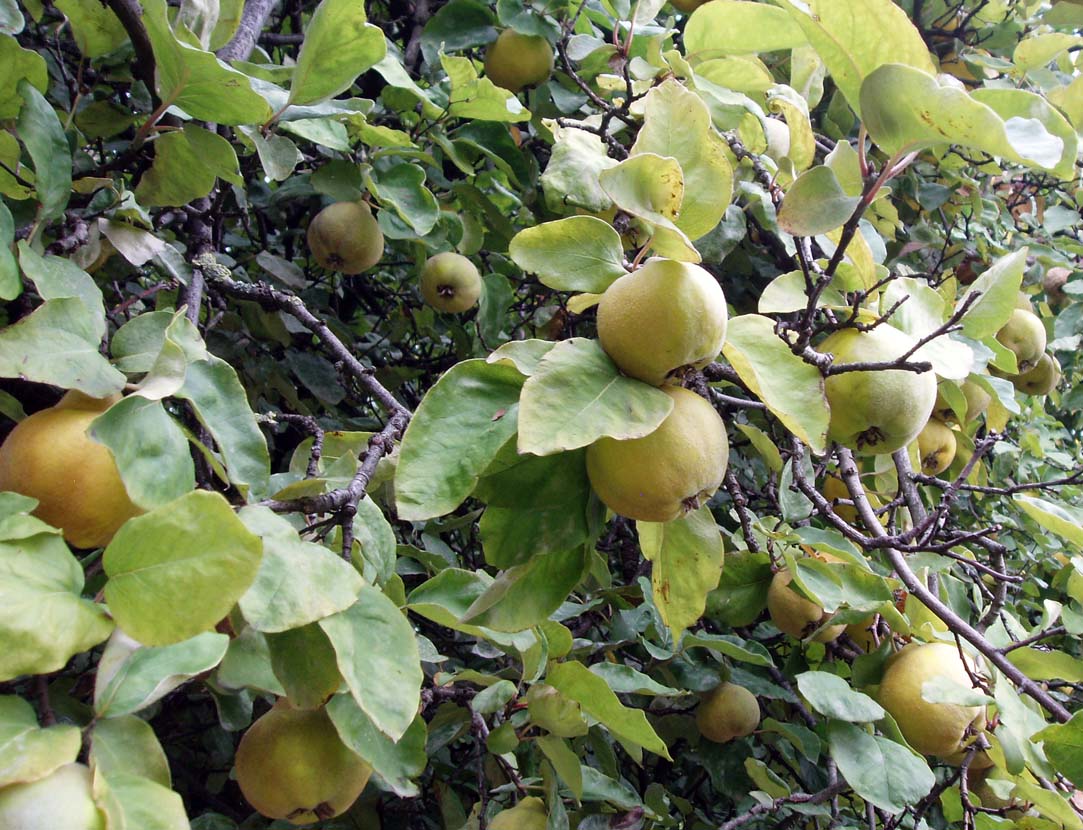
(881, 771)
(792, 389)
(571, 178)
(1047, 665)
(739, 27)
(480, 98)
(28, 752)
(577, 395)
(1063, 745)
(339, 45)
(525, 595)
(580, 253)
(686, 564)
(96, 28)
(179, 569)
(1065, 521)
(42, 134)
(396, 762)
(832, 696)
(564, 761)
(815, 204)
(998, 290)
(127, 744)
(17, 64)
(131, 801)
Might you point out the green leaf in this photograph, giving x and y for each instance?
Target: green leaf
(196, 81)
(11, 285)
(57, 278)
(571, 178)
(127, 744)
(577, 395)
(458, 428)
(906, 110)
(1018, 724)
(742, 592)
(815, 204)
(792, 389)
(494, 698)
(17, 64)
(998, 290)
(298, 582)
(1065, 521)
(1029, 120)
(480, 98)
(43, 136)
(373, 534)
(525, 595)
(734, 647)
(523, 355)
(403, 187)
(221, 404)
(623, 679)
(134, 801)
(1063, 745)
(44, 620)
(150, 449)
(28, 752)
(11, 19)
(854, 37)
(179, 569)
(651, 187)
(881, 771)
(396, 762)
(278, 155)
(132, 676)
(564, 761)
(677, 125)
(304, 662)
(378, 657)
(738, 27)
(555, 713)
(831, 695)
(580, 253)
(1047, 665)
(97, 29)
(919, 311)
(339, 45)
(686, 563)
(1036, 51)
(186, 165)
(592, 693)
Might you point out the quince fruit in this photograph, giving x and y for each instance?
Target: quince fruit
(450, 282)
(662, 317)
(346, 237)
(292, 765)
(62, 800)
(977, 401)
(726, 712)
(1041, 379)
(795, 615)
(1024, 335)
(515, 60)
(667, 473)
(875, 412)
(936, 447)
(50, 457)
(938, 729)
(528, 814)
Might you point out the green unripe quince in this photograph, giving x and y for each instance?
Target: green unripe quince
(977, 401)
(450, 282)
(292, 765)
(514, 60)
(876, 412)
(726, 712)
(938, 729)
(1024, 335)
(1041, 379)
(62, 800)
(794, 614)
(345, 237)
(662, 317)
(528, 814)
(667, 473)
(936, 447)
(50, 457)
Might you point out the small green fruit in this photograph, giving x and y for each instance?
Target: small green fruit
(450, 282)
(1024, 335)
(876, 412)
(514, 60)
(1041, 379)
(936, 447)
(795, 615)
(292, 765)
(62, 800)
(528, 814)
(663, 475)
(939, 729)
(345, 237)
(662, 317)
(726, 712)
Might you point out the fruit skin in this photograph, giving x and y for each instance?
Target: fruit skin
(663, 475)
(931, 728)
(778, 139)
(862, 633)
(1053, 284)
(936, 447)
(662, 317)
(49, 457)
(514, 60)
(794, 615)
(528, 814)
(977, 401)
(1041, 379)
(1025, 336)
(291, 764)
(345, 237)
(62, 800)
(726, 712)
(450, 282)
(875, 412)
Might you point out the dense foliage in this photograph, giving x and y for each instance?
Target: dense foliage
(372, 490)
